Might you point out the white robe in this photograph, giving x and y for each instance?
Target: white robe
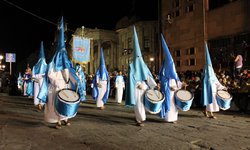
(101, 92)
(172, 114)
(57, 82)
(139, 108)
(119, 85)
(37, 86)
(214, 107)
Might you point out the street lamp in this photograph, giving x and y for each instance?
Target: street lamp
(2, 67)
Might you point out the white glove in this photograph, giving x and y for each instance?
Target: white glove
(142, 86)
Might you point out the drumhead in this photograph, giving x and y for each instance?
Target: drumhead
(184, 95)
(68, 95)
(224, 94)
(154, 95)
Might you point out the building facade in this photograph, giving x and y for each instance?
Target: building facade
(186, 24)
(118, 45)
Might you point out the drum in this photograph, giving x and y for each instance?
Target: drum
(153, 101)
(223, 99)
(183, 99)
(67, 102)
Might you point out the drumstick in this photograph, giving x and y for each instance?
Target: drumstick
(156, 94)
(65, 94)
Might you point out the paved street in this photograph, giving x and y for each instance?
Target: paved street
(22, 128)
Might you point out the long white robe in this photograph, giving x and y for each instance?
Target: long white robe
(172, 114)
(139, 108)
(214, 107)
(37, 86)
(101, 90)
(119, 85)
(57, 82)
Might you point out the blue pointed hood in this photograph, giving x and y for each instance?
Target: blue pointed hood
(209, 78)
(138, 66)
(208, 68)
(138, 71)
(167, 72)
(41, 66)
(168, 68)
(41, 54)
(102, 71)
(60, 58)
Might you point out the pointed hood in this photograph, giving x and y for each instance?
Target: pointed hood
(102, 71)
(41, 66)
(168, 68)
(167, 72)
(209, 78)
(60, 58)
(41, 54)
(208, 68)
(138, 71)
(138, 66)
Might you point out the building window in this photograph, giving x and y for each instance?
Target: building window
(190, 8)
(177, 3)
(146, 43)
(191, 51)
(187, 63)
(178, 63)
(130, 43)
(192, 62)
(177, 13)
(177, 53)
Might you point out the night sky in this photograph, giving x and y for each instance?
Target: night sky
(22, 32)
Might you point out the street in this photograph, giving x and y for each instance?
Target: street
(22, 128)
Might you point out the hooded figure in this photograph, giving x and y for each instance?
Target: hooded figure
(38, 75)
(210, 85)
(170, 82)
(138, 81)
(101, 84)
(60, 75)
(28, 83)
(19, 82)
(120, 86)
(81, 76)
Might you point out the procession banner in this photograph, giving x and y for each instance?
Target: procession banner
(81, 50)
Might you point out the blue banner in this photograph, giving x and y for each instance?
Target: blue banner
(81, 50)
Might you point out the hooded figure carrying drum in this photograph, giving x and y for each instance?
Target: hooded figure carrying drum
(210, 86)
(170, 82)
(138, 81)
(61, 85)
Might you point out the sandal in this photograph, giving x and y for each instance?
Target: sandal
(66, 123)
(205, 114)
(58, 126)
(102, 108)
(213, 117)
(140, 124)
